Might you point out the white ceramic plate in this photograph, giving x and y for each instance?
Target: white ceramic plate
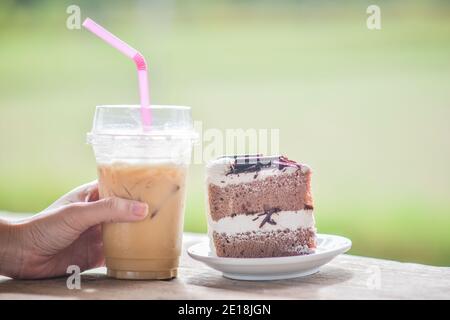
(328, 247)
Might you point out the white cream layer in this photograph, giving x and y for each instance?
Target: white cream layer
(291, 220)
(216, 173)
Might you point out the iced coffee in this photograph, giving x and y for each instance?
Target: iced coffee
(146, 166)
(149, 248)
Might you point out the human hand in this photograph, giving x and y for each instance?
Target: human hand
(66, 233)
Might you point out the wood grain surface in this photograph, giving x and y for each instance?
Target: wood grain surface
(346, 277)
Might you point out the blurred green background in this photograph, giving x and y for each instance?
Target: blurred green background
(368, 110)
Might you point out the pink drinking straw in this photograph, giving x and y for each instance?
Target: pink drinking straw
(138, 59)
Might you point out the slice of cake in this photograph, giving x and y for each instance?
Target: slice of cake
(260, 207)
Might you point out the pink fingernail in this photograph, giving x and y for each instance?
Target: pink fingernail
(139, 209)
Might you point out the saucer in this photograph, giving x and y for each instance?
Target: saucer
(276, 268)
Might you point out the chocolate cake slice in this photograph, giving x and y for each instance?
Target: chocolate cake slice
(260, 207)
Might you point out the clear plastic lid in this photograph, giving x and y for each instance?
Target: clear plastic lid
(124, 122)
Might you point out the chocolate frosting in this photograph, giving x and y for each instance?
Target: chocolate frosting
(255, 163)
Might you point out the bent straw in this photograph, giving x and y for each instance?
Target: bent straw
(134, 55)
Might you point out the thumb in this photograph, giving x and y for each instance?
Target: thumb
(83, 215)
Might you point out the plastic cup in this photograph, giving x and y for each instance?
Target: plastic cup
(148, 166)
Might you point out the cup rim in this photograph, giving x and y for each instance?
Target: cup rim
(137, 106)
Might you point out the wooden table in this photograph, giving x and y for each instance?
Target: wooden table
(346, 277)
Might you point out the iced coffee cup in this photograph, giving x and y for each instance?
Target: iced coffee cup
(149, 166)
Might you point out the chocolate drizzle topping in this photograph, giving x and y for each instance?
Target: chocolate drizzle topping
(267, 217)
(255, 163)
